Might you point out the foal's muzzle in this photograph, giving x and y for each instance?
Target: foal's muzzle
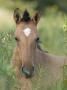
(28, 73)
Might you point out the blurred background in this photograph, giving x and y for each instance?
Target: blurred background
(53, 34)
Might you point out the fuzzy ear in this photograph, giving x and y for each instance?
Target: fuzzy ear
(16, 15)
(36, 18)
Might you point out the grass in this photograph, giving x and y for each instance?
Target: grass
(52, 36)
(51, 32)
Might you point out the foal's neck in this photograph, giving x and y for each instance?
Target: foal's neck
(45, 58)
(41, 56)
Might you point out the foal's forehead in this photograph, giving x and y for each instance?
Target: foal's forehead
(27, 27)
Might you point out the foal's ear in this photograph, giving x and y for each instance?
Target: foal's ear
(16, 15)
(36, 18)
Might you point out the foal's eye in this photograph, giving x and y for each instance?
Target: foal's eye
(37, 39)
(16, 39)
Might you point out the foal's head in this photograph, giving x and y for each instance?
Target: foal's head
(27, 38)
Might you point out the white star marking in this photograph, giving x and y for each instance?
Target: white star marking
(27, 31)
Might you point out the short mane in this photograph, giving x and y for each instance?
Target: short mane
(39, 47)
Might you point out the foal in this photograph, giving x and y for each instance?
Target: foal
(27, 56)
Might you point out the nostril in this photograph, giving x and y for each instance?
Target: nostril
(24, 70)
(28, 73)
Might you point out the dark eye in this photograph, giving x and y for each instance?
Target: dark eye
(16, 39)
(37, 39)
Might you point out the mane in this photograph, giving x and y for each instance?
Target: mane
(26, 16)
(39, 47)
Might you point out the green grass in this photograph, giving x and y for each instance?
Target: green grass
(52, 36)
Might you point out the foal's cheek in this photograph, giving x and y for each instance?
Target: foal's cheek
(18, 44)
